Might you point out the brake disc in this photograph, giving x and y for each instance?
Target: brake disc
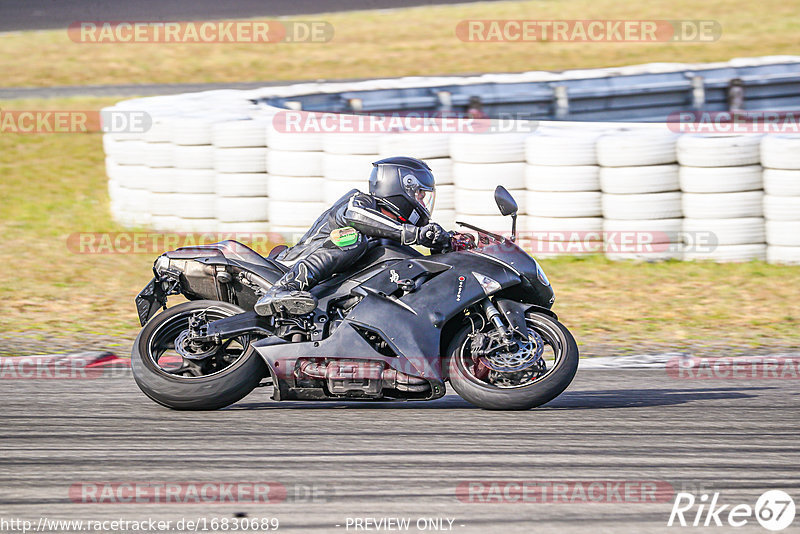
(528, 353)
(193, 350)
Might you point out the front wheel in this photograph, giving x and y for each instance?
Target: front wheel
(212, 377)
(548, 364)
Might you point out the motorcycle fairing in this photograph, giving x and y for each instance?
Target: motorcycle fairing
(410, 324)
(518, 261)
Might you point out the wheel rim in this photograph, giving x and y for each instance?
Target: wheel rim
(167, 361)
(552, 353)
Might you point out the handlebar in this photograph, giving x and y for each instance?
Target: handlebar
(459, 241)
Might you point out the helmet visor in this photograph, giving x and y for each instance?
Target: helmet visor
(426, 198)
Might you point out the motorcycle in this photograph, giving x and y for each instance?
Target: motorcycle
(398, 325)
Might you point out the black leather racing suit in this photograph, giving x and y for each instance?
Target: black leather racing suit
(316, 258)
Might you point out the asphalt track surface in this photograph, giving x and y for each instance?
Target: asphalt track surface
(49, 14)
(405, 460)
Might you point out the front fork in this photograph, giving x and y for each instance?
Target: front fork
(507, 317)
(496, 318)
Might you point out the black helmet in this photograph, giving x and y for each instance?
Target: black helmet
(405, 186)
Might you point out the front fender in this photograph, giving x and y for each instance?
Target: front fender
(515, 311)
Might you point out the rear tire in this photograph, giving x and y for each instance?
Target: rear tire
(539, 392)
(211, 392)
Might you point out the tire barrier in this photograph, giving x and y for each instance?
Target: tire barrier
(580, 188)
(641, 195)
(720, 177)
(562, 180)
(780, 156)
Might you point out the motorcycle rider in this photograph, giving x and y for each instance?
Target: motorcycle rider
(398, 207)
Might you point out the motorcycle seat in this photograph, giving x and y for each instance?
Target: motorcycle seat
(233, 250)
(268, 268)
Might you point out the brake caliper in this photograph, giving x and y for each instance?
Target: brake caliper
(188, 345)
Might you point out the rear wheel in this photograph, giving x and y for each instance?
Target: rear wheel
(202, 377)
(537, 373)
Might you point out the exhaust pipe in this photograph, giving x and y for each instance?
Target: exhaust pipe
(254, 279)
(312, 369)
(394, 379)
(365, 369)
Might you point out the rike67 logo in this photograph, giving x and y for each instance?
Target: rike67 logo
(774, 510)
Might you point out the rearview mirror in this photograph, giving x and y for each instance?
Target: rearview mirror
(504, 200)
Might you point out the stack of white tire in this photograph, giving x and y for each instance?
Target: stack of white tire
(481, 162)
(296, 182)
(194, 156)
(163, 179)
(128, 162)
(433, 149)
(641, 201)
(780, 157)
(721, 180)
(128, 184)
(562, 194)
(240, 176)
(347, 164)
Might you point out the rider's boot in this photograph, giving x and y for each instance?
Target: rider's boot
(290, 293)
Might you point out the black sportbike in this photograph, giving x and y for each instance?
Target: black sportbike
(398, 325)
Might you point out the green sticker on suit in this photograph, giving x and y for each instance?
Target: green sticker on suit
(344, 237)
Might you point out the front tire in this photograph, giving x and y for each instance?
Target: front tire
(204, 392)
(524, 397)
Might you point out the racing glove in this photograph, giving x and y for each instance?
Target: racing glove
(433, 236)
